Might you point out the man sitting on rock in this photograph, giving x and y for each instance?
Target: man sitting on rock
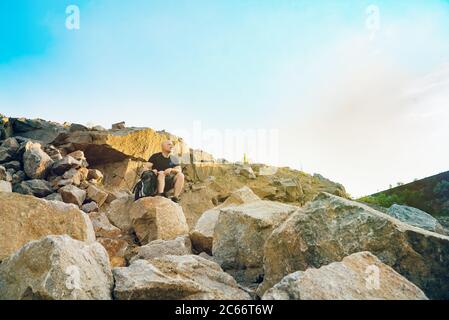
(168, 171)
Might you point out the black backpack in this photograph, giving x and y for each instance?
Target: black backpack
(146, 186)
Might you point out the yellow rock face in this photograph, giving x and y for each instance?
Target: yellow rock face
(26, 218)
(110, 146)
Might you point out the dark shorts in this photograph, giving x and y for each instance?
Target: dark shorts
(169, 182)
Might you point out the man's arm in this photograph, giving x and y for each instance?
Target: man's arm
(151, 165)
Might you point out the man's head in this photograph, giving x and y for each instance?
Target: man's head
(167, 146)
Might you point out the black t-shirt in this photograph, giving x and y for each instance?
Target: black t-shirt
(161, 163)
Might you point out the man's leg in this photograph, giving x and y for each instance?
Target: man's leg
(179, 184)
(160, 182)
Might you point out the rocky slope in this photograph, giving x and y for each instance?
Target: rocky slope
(70, 228)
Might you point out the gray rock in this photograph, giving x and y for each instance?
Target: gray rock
(37, 129)
(76, 175)
(36, 187)
(66, 163)
(74, 127)
(72, 194)
(79, 155)
(36, 162)
(98, 128)
(415, 217)
(159, 248)
(90, 207)
(118, 213)
(16, 165)
(57, 268)
(174, 277)
(53, 152)
(54, 197)
(11, 145)
(5, 156)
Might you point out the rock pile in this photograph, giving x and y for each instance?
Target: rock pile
(70, 228)
(30, 168)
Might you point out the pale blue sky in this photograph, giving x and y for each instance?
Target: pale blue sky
(355, 107)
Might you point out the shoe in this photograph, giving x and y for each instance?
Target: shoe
(162, 195)
(175, 199)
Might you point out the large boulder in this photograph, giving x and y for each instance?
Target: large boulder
(360, 276)
(240, 235)
(331, 228)
(37, 129)
(36, 162)
(57, 268)
(117, 145)
(202, 234)
(174, 277)
(25, 218)
(415, 217)
(158, 248)
(157, 218)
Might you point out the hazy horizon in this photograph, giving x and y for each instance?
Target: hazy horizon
(357, 91)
